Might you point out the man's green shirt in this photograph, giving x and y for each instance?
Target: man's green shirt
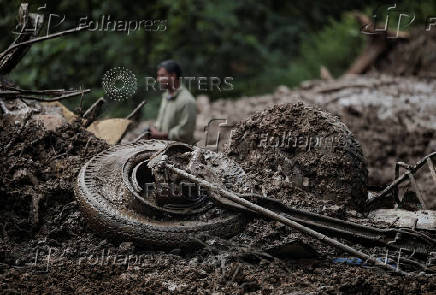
(178, 115)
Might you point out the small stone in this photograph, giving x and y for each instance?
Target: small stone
(128, 276)
(126, 246)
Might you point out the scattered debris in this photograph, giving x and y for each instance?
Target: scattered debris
(228, 198)
(422, 219)
(426, 203)
(45, 238)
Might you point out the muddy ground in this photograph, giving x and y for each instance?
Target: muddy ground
(46, 246)
(392, 117)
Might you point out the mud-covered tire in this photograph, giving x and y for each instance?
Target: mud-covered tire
(104, 199)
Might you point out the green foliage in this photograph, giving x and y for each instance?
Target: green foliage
(261, 44)
(335, 47)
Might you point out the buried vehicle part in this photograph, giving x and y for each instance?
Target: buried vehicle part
(110, 192)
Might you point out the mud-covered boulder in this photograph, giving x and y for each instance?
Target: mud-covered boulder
(303, 148)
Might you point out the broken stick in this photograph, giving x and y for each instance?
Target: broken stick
(62, 94)
(161, 163)
(40, 39)
(93, 111)
(26, 22)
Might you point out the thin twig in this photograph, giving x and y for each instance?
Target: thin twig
(16, 90)
(81, 103)
(40, 39)
(86, 145)
(57, 98)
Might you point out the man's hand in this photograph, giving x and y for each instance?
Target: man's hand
(154, 133)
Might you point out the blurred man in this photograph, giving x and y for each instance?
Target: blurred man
(178, 111)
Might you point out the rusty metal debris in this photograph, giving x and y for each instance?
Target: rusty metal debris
(407, 175)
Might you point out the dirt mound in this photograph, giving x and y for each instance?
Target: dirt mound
(38, 170)
(296, 148)
(393, 118)
(415, 57)
(61, 255)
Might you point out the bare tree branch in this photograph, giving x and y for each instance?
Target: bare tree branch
(57, 98)
(40, 39)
